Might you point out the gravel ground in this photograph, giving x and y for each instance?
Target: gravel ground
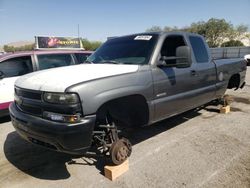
(200, 148)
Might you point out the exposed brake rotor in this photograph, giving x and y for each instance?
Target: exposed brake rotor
(120, 151)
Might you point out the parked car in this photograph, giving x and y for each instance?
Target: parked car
(133, 80)
(247, 58)
(13, 65)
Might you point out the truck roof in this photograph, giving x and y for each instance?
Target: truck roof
(159, 33)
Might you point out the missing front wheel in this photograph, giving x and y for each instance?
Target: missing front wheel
(106, 138)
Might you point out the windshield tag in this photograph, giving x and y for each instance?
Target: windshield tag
(143, 37)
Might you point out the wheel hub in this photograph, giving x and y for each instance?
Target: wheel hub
(120, 151)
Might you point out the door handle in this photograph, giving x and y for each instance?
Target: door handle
(193, 73)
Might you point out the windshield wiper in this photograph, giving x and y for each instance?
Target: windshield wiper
(130, 63)
(110, 62)
(88, 61)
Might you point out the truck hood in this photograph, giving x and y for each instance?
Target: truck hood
(58, 79)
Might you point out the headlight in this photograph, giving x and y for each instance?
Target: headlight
(61, 98)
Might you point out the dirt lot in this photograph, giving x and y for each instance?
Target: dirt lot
(200, 148)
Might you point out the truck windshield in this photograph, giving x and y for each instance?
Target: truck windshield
(134, 49)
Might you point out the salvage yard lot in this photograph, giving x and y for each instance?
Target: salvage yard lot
(200, 148)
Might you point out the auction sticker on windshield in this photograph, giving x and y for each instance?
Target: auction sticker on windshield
(143, 37)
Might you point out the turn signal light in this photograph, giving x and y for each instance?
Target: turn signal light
(62, 117)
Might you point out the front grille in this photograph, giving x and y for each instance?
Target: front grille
(28, 94)
(29, 101)
(30, 109)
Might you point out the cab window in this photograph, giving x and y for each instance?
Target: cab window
(54, 60)
(16, 66)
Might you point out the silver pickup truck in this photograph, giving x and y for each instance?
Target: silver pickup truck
(129, 81)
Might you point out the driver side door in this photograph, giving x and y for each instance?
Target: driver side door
(172, 86)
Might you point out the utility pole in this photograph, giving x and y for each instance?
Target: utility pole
(78, 30)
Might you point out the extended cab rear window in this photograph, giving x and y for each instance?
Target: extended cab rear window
(54, 60)
(199, 49)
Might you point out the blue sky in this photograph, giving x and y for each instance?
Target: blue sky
(98, 19)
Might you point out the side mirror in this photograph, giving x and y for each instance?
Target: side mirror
(183, 57)
(1, 75)
(167, 61)
(181, 60)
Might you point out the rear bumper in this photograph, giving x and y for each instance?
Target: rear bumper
(67, 138)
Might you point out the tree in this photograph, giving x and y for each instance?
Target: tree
(199, 27)
(20, 48)
(95, 45)
(154, 29)
(88, 45)
(240, 32)
(232, 43)
(8, 48)
(248, 37)
(216, 31)
(174, 28)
